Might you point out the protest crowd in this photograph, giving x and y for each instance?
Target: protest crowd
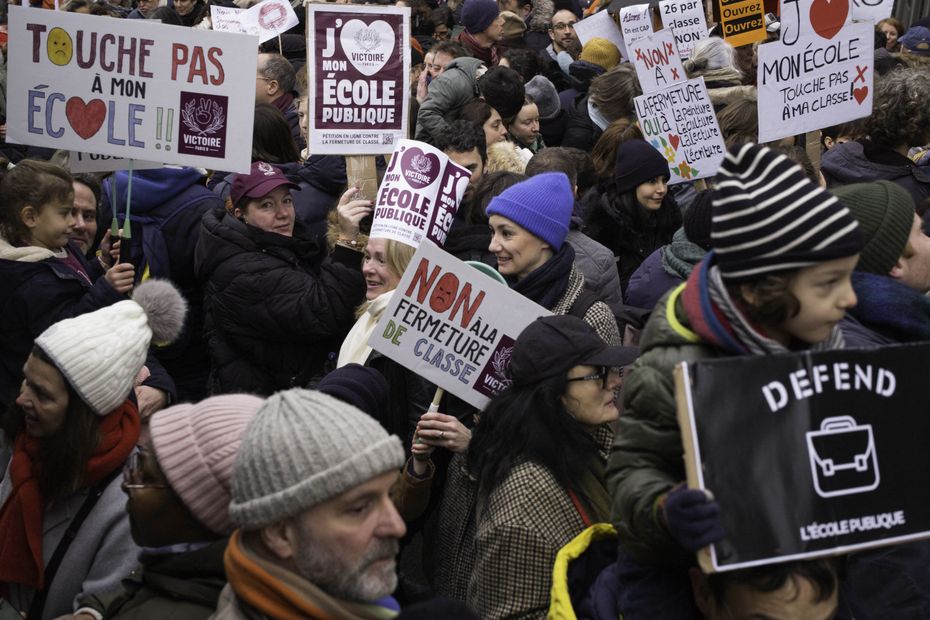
(196, 423)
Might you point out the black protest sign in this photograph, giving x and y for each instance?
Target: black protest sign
(812, 454)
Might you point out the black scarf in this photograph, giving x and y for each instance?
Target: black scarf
(547, 284)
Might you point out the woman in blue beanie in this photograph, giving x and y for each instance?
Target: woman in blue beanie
(633, 214)
(529, 222)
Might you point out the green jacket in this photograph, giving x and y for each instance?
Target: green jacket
(646, 459)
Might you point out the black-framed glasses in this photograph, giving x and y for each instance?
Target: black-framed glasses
(602, 374)
(563, 26)
(132, 473)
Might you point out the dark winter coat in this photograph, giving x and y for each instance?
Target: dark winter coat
(447, 94)
(580, 131)
(275, 307)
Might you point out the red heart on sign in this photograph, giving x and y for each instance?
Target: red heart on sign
(675, 140)
(85, 119)
(861, 93)
(828, 16)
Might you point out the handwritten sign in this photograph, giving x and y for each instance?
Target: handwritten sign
(130, 88)
(635, 21)
(453, 325)
(827, 460)
(872, 10)
(267, 19)
(742, 21)
(816, 82)
(359, 65)
(600, 25)
(803, 18)
(419, 195)
(687, 21)
(679, 121)
(656, 60)
(92, 162)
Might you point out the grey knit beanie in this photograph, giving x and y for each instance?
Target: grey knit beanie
(301, 449)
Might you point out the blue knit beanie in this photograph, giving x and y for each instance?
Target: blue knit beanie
(478, 15)
(542, 205)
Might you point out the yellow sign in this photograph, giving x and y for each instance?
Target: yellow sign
(742, 21)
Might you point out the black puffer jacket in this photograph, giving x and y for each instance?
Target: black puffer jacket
(276, 308)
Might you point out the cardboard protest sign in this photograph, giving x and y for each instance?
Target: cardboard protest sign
(130, 88)
(419, 195)
(92, 162)
(635, 21)
(266, 20)
(359, 70)
(803, 18)
(872, 10)
(453, 325)
(816, 82)
(600, 25)
(742, 21)
(814, 456)
(686, 19)
(679, 121)
(655, 57)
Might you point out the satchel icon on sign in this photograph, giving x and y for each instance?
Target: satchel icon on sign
(842, 455)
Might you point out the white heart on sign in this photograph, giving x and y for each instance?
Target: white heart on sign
(367, 47)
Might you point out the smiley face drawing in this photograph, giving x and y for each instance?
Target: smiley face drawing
(58, 46)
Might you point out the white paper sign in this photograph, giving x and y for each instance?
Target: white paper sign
(687, 21)
(656, 59)
(453, 325)
(359, 74)
(419, 195)
(92, 162)
(805, 18)
(679, 121)
(635, 21)
(815, 83)
(230, 19)
(267, 19)
(131, 88)
(874, 10)
(600, 25)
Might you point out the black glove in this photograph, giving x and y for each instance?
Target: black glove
(692, 518)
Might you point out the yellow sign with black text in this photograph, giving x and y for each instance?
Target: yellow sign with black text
(742, 21)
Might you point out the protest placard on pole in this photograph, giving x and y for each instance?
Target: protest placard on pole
(825, 460)
(686, 19)
(419, 195)
(600, 25)
(655, 57)
(230, 19)
(803, 18)
(816, 82)
(266, 20)
(872, 10)
(92, 162)
(130, 88)
(453, 325)
(635, 21)
(359, 71)
(742, 21)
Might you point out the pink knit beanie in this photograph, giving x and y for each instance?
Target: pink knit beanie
(196, 446)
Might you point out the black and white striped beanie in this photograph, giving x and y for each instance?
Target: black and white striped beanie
(768, 217)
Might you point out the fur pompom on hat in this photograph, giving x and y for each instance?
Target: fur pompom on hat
(301, 449)
(196, 446)
(100, 353)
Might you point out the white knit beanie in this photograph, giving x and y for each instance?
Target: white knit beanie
(101, 352)
(301, 449)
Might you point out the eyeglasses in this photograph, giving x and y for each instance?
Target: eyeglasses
(602, 374)
(563, 26)
(132, 473)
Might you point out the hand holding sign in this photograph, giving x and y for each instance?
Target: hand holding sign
(349, 212)
(693, 518)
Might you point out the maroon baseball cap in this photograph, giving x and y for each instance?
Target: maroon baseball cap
(260, 181)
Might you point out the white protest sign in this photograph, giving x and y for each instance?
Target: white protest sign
(600, 25)
(92, 162)
(131, 88)
(687, 21)
(229, 19)
(419, 195)
(805, 18)
(453, 325)
(656, 60)
(267, 19)
(874, 10)
(635, 21)
(679, 121)
(815, 83)
(359, 74)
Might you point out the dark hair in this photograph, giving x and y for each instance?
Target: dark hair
(628, 217)
(529, 422)
(604, 153)
(452, 48)
(476, 112)
(821, 573)
(774, 301)
(279, 69)
(503, 89)
(900, 114)
(553, 159)
(35, 183)
(461, 136)
(801, 158)
(853, 129)
(490, 185)
(584, 166)
(65, 454)
(272, 140)
(166, 15)
(524, 61)
(92, 184)
(94, 7)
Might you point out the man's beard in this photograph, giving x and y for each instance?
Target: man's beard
(359, 581)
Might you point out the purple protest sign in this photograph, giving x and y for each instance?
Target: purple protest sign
(358, 62)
